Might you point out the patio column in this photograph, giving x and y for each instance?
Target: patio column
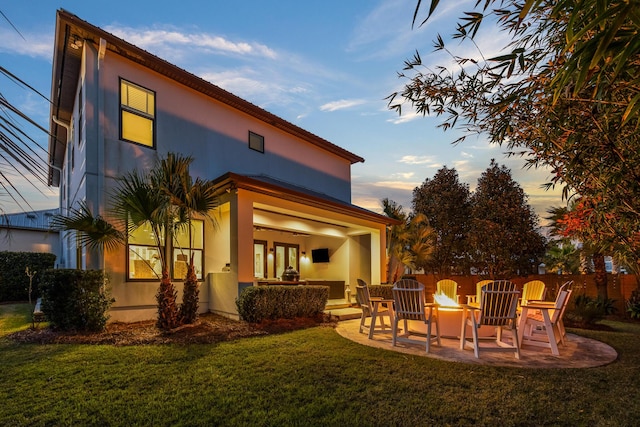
(242, 238)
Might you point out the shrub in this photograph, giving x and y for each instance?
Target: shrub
(75, 299)
(382, 291)
(258, 303)
(633, 304)
(587, 310)
(14, 283)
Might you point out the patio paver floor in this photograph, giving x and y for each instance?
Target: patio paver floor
(578, 352)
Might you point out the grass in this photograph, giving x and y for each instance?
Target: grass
(307, 377)
(14, 318)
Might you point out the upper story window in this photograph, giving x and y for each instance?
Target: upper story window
(137, 113)
(256, 142)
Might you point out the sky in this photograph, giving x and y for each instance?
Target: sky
(324, 65)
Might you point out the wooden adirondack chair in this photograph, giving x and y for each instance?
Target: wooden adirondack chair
(498, 304)
(410, 304)
(375, 308)
(449, 288)
(533, 290)
(541, 321)
(475, 299)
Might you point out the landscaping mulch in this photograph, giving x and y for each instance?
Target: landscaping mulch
(209, 328)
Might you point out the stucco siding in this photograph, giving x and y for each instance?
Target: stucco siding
(215, 135)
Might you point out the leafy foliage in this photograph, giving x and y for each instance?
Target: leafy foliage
(562, 257)
(409, 243)
(566, 94)
(503, 237)
(94, 231)
(588, 310)
(633, 304)
(445, 201)
(164, 198)
(75, 299)
(258, 303)
(14, 283)
(578, 222)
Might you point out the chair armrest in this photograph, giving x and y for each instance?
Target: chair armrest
(539, 305)
(540, 302)
(380, 300)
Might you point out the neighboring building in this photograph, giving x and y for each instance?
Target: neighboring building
(29, 232)
(285, 193)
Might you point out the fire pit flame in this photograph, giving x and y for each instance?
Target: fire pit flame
(444, 301)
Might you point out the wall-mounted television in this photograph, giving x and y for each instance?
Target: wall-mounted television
(320, 255)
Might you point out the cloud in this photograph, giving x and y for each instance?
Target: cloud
(397, 185)
(406, 117)
(33, 45)
(369, 194)
(418, 160)
(342, 104)
(162, 39)
(387, 32)
(403, 175)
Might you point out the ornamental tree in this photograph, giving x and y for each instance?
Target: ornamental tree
(503, 238)
(445, 201)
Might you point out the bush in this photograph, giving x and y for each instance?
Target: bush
(587, 310)
(258, 303)
(633, 304)
(75, 299)
(14, 283)
(381, 291)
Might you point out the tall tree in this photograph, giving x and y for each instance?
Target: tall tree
(445, 201)
(504, 239)
(566, 93)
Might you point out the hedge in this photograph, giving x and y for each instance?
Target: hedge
(258, 303)
(14, 282)
(75, 299)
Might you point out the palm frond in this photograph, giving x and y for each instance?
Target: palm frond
(94, 231)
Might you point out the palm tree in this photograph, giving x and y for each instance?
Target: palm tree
(409, 244)
(166, 200)
(396, 238)
(189, 198)
(420, 243)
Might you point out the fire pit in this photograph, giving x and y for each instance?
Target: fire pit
(450, 318)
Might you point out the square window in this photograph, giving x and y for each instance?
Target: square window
(256, 142)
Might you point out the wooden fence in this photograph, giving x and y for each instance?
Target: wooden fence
(619, 286)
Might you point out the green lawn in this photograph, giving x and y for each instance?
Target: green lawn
(307, 377)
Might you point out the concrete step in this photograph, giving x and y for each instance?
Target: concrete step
(344, 313)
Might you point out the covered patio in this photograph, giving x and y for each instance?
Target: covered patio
(578, 352)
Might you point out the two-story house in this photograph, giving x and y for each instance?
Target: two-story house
(285, 193)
